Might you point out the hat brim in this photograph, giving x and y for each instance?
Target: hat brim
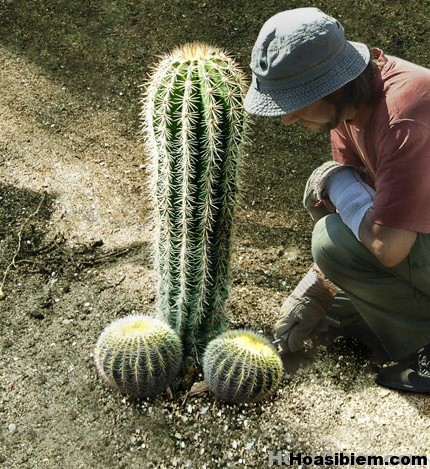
(277, 102)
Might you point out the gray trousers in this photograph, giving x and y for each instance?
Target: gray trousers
(393, 302)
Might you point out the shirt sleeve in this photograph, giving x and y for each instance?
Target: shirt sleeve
(342, 151)
(402, 182)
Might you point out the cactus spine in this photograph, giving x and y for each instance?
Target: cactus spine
(242, 366)
(138, 355)
(194, 124)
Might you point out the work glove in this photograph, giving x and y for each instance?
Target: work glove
(336, 187)
(302, 315)
(315, 199)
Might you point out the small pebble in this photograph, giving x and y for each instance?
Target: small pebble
(249, 445)
(12, 428)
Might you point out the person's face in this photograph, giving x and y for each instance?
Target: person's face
(321, 116)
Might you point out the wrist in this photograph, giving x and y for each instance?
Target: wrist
(315, 285)
(351, 197)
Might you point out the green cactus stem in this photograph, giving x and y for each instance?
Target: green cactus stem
(242, 367)
(194, 126)
(138, 355)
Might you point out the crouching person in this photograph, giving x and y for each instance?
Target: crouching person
(371, 205)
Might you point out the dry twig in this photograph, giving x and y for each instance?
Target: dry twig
(21, 229)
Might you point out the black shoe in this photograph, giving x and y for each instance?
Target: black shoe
(409, 375)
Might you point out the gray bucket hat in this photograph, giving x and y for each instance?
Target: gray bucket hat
(300, 56)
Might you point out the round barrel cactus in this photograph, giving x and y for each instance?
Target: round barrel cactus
(194, 125)
(138, 355)
(242, 366)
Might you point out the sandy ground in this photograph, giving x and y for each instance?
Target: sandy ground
(73, 197)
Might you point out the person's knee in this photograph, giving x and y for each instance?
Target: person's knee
(327, 231)
(331, 241)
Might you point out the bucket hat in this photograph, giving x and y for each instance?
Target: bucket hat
(300, 56)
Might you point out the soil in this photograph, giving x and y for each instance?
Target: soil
(76, 252)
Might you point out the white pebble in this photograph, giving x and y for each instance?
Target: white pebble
(249, 445)
(12, 428)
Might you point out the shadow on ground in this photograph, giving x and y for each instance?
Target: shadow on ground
(28, 244)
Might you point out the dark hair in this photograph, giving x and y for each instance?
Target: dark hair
(358, 92)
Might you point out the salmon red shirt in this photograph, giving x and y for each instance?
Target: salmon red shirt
(391, 142)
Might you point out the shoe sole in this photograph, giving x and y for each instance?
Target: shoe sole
(403, 387)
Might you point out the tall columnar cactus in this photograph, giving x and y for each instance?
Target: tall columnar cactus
(194, 126)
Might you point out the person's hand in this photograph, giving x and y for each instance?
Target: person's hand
(315, 199)
(303, 312)
(303, 317)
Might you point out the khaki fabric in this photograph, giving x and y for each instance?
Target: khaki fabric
(393, 302)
